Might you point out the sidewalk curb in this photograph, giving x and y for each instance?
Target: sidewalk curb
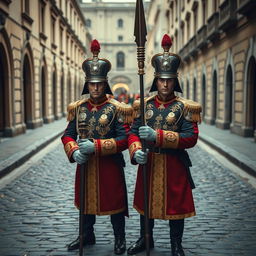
(240, 160)
(18, 159)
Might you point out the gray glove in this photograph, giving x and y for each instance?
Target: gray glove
(140, 156)
(79, 157)
(147, 133)
(86, 146)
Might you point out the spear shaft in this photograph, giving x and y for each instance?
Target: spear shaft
(82, 208)
(82, 196)
(140, 32)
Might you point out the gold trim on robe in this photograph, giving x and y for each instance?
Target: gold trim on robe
(170, 139)
(158, 184)
(134, 147)
(70, 147)
(108, 147)
(91, 199)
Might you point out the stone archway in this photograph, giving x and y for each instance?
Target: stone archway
(27, 82)
(251, 98)
(214, 97)
(8, 126)
(229, 97)
(3, 86)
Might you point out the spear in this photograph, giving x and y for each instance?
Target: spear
(140, 32)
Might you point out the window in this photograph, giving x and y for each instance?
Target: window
(182, 35)
(26, 6)
(61, 38)
(120, 23)
(187, 89)
(120, 38)
(188, 25)
(53, 30)
(172, 17)
(177, 10)
(205, 15)
(67, 47)
(194, 90)
(70, 14)
(195, 20)
(71, 51)
(66, 8)
(176, 42)
(42, 14)
(88, 23)
(120, 60)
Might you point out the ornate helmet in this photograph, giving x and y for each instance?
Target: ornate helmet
(166, 65)
(96, 69)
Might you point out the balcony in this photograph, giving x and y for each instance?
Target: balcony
(213, 27)
(201, 37)
(192, 46)
(246, 7)
(227, 14)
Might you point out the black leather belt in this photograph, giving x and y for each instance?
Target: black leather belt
(164, 151)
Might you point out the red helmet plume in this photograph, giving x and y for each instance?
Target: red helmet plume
(166, 42)
(95, 46)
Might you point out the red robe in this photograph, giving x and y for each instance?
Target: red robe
(168, 175)
(104, 177)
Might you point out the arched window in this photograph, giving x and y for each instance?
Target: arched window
(27, 91)
(194, 90)
(204, 95)
(88, 23)
(120, 23)
(54, 92)
(229, 96)
(120, 60)
(187, 89)
(214, 96)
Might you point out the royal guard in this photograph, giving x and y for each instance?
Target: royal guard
(104, 123)
(171, 128)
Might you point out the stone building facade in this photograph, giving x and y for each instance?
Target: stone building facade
(217, 42)
(112, 24)
(42, 46)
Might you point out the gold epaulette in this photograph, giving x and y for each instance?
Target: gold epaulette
(123, 110)
(136, 105)
(72, 108)
(192, 110)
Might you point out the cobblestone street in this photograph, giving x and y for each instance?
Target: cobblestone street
(38, 216)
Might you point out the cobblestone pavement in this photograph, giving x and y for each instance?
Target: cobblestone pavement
(38, 216)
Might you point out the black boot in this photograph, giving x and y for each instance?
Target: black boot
(89, 237)
(120, 245)
(118, 224)
(176, 233)
(177, 249)
(140, 246)
(88, 240)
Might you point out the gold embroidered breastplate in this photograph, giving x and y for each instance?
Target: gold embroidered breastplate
(164, 118)
(96, 124)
